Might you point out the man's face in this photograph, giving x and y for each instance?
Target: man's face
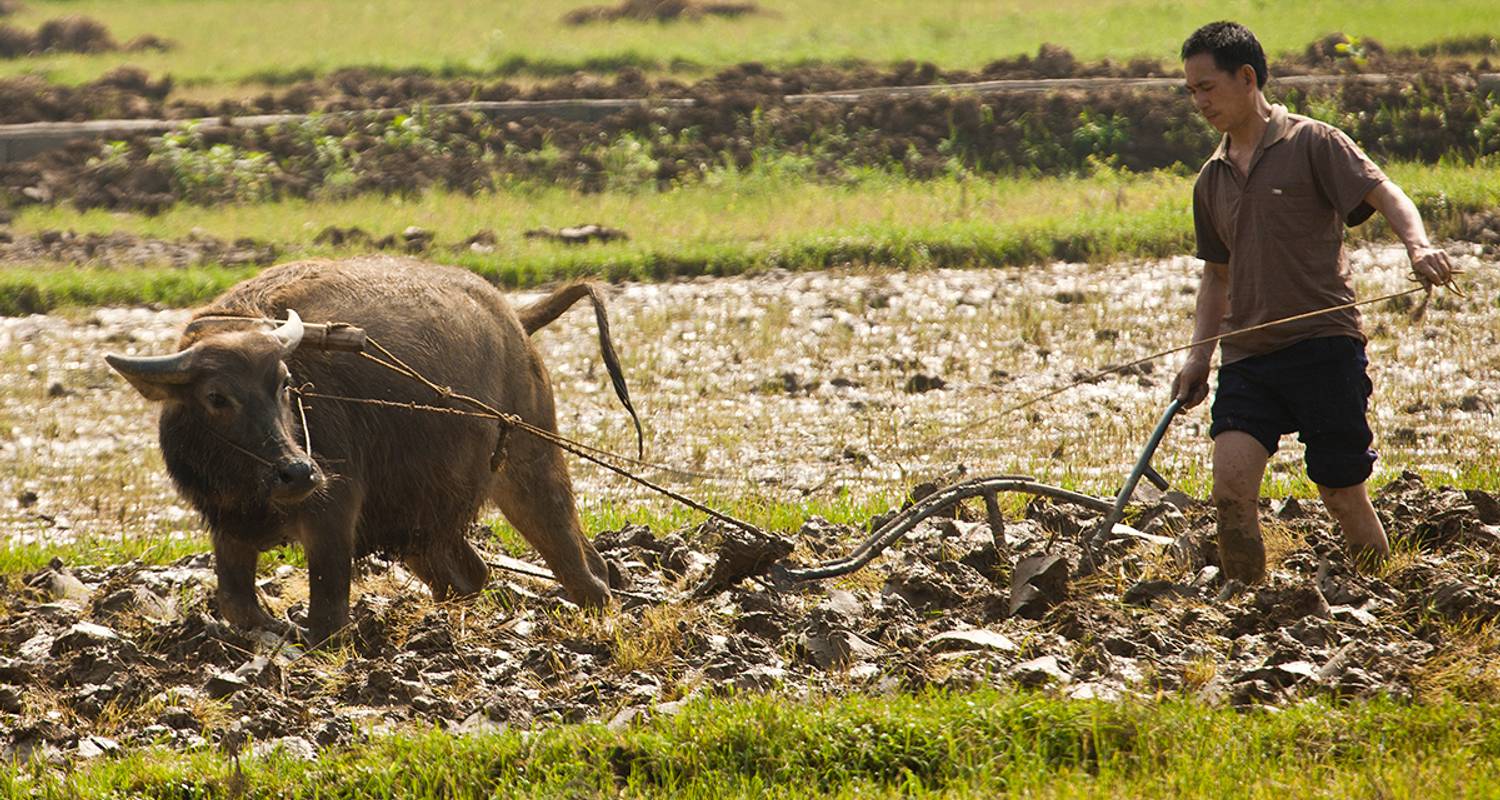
(1223, 98)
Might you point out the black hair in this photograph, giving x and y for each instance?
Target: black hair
(1232, 46)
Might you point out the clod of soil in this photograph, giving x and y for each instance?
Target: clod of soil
(657, 11)
(578, 234)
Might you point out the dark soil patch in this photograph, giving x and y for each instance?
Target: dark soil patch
(657, 11)
(136, 655)
(73, 34)
(123, 93)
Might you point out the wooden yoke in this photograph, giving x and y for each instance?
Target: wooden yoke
(334, 336)
(340, 336)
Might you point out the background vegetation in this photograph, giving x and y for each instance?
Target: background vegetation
(225, 42)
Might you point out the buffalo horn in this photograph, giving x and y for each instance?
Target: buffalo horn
(171, 368)
(151, 375)
(290, 333)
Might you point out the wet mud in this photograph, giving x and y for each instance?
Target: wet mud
(99, 658)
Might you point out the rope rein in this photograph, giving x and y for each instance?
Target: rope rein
(586, 452)
(1047, 395)
(604, 458)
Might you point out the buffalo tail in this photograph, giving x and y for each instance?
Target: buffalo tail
(538, 315)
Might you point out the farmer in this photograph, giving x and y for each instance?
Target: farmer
(1269, 208)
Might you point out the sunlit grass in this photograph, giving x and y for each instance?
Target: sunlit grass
(765, 207)
(224, 42)
(980, 744)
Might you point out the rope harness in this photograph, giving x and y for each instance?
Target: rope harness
(506, 422)
(881, 538)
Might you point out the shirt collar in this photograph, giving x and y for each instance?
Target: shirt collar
(1277, 128)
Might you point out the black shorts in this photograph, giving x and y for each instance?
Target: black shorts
(1317, 388)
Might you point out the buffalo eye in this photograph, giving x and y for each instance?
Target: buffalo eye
(217, 401)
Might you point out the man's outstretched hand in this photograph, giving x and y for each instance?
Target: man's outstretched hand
(1430, 265)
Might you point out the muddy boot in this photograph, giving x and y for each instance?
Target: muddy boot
(1243, 556)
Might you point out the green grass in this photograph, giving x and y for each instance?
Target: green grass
(728, 224)
(41, 289)
(224, 41)
(981, 744)
(661, 516)
(163, 547)
(767, 204)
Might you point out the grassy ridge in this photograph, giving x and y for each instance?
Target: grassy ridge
(736, 223)
(165, 546)
(980, 744)
(225, 41)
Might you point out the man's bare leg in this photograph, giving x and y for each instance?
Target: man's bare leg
(1364, 536)
(1239, 465)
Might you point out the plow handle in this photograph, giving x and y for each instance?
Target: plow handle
(1142, 468)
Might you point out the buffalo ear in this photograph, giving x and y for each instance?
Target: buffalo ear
(154, 377)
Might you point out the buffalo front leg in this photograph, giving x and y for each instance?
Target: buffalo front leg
(328, 542)
(234, 564)
(536, 496)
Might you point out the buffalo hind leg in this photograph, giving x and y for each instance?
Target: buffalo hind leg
(534, 493)
(450, 567)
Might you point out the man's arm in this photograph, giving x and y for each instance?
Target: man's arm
(1191, 384)
(1430, 263)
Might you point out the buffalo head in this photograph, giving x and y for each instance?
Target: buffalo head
(228, 420)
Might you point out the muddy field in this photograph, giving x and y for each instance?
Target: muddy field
(808, 387)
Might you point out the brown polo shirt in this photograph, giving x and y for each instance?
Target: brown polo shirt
(1280, 228)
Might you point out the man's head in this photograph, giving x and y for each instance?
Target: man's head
(1225, 69)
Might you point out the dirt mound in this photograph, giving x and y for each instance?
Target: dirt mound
(657, 11)
(74, 34)
(122, 93)
(99, 657)
(1339, 47)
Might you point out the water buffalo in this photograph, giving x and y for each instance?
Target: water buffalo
(374, 479)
